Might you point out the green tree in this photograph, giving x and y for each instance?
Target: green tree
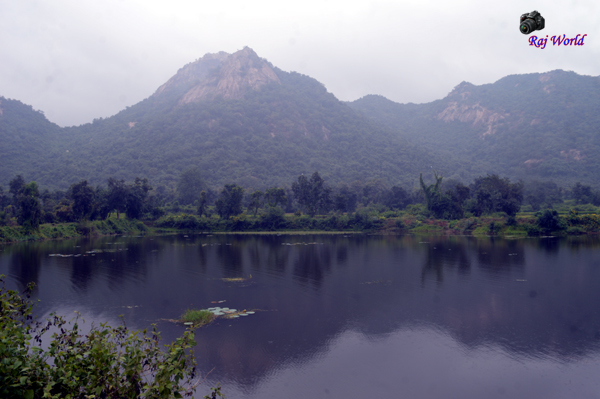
(30, 209)
(103, 205)
(230, 201)
(256, 201)
(83, 200)
(549, 221)
(16, 186)
(273, 219)
(447, 206)
(444, 205)
(397, 198)
(137, 198)
(538, 194)
(202, 204)
(345, 200)
(312, 194)
(495, 194)
(275, 196)
(189, 186)
(117, 197)
(582, 194)
(432, 191)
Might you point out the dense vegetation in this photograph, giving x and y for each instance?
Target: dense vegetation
(309, 202)
(106, 362)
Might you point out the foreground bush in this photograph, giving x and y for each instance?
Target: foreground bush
(108, 362)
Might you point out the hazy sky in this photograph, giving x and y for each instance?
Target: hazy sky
(77, 60)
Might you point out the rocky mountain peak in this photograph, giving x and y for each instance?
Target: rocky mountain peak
(220, 74)
(462, 91)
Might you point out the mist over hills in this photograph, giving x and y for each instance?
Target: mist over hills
(535, 126)
(240, 119)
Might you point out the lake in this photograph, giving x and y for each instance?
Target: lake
(346, 316)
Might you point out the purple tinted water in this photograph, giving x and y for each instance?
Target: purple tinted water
(347, 316)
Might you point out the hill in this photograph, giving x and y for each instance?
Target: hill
(28, 140)
(240, 120)
(533, 126)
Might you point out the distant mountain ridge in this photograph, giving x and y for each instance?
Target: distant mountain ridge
(242, 120)
(534, 126)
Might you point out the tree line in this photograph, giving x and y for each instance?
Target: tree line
(24, 204)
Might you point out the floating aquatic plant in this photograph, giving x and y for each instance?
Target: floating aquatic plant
(236, 279)
(197, 317)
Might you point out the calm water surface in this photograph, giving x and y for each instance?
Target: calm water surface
(347, 316)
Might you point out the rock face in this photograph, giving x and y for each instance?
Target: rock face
(459, 108)
(220, 74)
(475, 114)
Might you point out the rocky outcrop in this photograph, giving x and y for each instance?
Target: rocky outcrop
(475, 114)
(220, 74)
(192, 74)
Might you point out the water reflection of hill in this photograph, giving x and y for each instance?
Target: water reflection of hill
(533, 297)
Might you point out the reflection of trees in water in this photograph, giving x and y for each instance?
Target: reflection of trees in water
(254, 254)
(500, 256)
(341, 254)
(444, 253)
(266, 252)
(550, 245)
(25, 263)
(82, 272)
(575, 243)
(203, 257)
(129, 260)
(231, 259)
(122, 259)
(277, 259)
(311, 262)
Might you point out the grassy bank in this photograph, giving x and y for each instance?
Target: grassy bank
(389, 223)
(69, 230)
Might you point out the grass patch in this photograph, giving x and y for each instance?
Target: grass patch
(426, 228)
(287, 232)
(199, 317)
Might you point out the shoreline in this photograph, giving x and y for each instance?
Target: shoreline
(493, 226)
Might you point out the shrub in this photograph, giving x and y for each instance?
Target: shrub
(533, 230)
(107, 362)
(273, 219)
(84, 228)
(549, 220)
(575, 230)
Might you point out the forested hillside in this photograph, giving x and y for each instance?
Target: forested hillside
(28, 141)
(239, 119)
(535, 126)
(244, 121)
(266, 138)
